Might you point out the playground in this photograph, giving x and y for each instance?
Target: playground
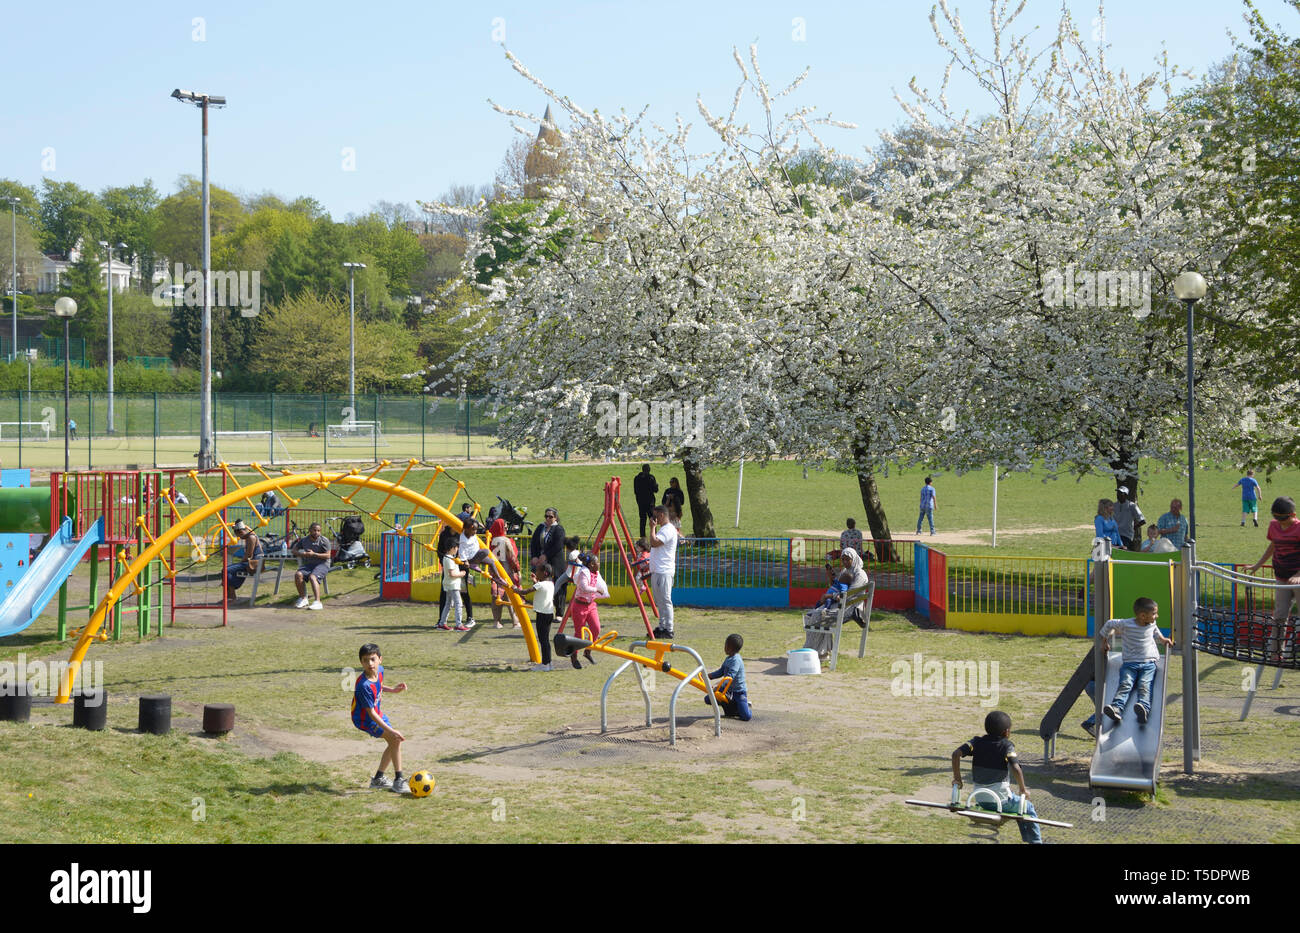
(520, 755)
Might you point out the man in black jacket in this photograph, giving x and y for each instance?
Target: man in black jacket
(645, 486)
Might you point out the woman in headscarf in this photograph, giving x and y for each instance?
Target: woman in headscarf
(503, 549)
(822, 640)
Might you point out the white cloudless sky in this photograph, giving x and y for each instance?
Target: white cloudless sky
(404, 87)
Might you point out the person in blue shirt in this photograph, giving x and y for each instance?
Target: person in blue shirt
(737, 702)
(1249, 498)
(1173, 525)
(1104, 523)
(929, 499)
(370, 719)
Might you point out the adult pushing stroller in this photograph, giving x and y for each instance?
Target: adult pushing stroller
(351, 552)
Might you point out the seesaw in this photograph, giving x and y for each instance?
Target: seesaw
(697, 677)
(995, 819)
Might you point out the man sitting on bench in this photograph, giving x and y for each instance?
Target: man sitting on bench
(314, 553)
(252, 555)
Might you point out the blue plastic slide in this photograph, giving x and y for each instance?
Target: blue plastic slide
(43, 578)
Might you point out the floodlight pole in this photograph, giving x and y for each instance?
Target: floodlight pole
(206, 452)
(352, 267)
(13, 283)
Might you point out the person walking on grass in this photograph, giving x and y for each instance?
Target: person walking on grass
(929, 501)
(1249, 498)
(453, 579)
(503, 549)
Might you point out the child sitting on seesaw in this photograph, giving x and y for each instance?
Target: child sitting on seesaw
(992, 756)
(1138, 637)
(737, 696)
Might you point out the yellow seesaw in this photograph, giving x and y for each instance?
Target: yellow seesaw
(697, 677)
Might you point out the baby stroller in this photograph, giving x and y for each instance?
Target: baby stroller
(351, 552)
(516, 523)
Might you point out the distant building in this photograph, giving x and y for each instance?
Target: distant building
(54, 266)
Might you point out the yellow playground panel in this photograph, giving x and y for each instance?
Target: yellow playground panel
(213, 509)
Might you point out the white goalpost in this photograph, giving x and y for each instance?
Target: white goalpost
(239, 441)
(356, 434)
(26, 430)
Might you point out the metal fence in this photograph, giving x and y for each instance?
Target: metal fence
(162, 429)
(1017, 585)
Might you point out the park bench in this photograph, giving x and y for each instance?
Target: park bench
(823, 627)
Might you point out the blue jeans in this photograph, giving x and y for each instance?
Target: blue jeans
(1141, 672)
(1029, 832)
(738, 705)
(925, 513)
(235, 575)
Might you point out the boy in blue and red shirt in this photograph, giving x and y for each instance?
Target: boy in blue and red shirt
(370, 719)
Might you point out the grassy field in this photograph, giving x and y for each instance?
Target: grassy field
(1050, 518)
(518, 756)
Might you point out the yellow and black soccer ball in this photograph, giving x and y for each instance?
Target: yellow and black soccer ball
(422, 783)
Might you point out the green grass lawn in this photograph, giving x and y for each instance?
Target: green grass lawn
(1051, 518)
(518, 756)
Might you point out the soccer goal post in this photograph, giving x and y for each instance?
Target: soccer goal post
(357, 434)
(26, 430)
(247, 446)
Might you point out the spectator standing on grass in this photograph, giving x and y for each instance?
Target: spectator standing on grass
(929, 500)
(1173, 525)
(663, 567)
(1104, 523)
(1249, 498)
(72, 428)
(645, 486)
(1129, 520)
(674, 499)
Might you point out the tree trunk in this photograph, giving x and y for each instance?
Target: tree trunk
(698, 498)
(877, 522)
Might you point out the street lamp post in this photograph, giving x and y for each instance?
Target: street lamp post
(110, 248)
(1189, 288)
(13, 282)
(66, 308)
(352, 268)
(203, 101)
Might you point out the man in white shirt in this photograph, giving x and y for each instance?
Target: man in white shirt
(663, 566)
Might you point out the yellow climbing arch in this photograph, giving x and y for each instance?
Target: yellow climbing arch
(285, 480)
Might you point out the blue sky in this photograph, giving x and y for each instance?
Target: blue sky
(406, 85)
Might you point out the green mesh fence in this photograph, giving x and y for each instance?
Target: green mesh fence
(162, 429)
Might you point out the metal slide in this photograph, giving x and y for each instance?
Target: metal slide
(1127, 756)
(44, 577)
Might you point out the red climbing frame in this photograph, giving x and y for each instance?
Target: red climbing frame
(612, 518)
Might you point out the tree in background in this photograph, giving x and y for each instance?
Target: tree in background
(70, 215)
(179, 223)
(132, 219)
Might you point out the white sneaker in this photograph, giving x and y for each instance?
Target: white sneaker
(316, 605)
(301, 603)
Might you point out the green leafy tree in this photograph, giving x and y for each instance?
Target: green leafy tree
(70, 215)
(179, 220)
(133, 219)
